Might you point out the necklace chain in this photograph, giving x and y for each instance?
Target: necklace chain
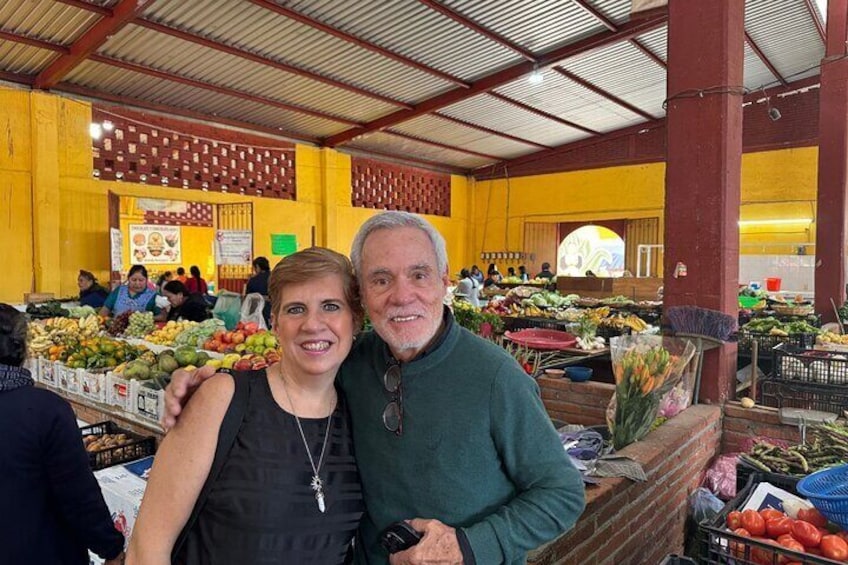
(316, 484)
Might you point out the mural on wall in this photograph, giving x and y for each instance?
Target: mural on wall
(155, 244)
(591, 248)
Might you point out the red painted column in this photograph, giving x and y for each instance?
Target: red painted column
(832, 199)
(703, 175)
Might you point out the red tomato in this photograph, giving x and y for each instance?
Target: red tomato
(814, 551)
(785, 537)
(763, 556)
(812, 516)
(792, 544)
(737, 549)
(843, 534)
(806, 533)
(753, 522)
(734, 520)
(834, 547)
(776, 527)
(770, 513)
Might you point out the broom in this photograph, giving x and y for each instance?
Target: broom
(701, 322)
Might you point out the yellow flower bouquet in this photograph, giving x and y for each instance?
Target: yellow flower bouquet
(645, 367)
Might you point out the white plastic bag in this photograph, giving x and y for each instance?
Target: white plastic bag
(251, 310)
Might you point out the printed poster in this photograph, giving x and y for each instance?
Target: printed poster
(233, 247)
(155, 244)
(116, 243)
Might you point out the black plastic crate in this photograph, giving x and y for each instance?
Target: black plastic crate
(744, 472)
(812, 396)
(719, 545)
(767, 342)
(520, 323)
(136, 447)
(675, 559)
(797, 364)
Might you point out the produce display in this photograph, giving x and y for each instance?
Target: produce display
(800, 528)
(98, 353)
(832, 338)
(50, 309)
(80, 311)
(167, 334)
(197, 335)
(828, 446)
(140, 324)
(105, 441)
(59, 333)
(772, 326)
(235, 341)
(117, 325)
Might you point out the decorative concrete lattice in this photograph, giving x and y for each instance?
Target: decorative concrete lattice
(388, 186)
(196, 214)
(136, 152)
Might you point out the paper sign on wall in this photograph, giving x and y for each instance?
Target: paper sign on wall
(283, 244)
(116, 243)
(233, 247)
(155, 244)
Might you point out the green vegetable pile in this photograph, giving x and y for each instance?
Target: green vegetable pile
(773, 326)
(80, 311)
(197, 335)
(548, 299)
(828, 447)
(50, 309)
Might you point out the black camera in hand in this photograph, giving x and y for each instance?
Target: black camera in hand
(398, 537)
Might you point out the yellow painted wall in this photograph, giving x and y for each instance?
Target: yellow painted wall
(16, 195)
(45, 155)
(775, 184)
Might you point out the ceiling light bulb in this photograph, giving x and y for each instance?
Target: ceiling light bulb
(536, 77)
(108, 126)
(95, 130)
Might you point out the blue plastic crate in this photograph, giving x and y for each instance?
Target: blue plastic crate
(828, 491)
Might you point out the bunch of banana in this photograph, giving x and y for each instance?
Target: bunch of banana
(620, 321)
(533, 311)
(89, 326)
(167, 335)
(39, 340)
(830, 337)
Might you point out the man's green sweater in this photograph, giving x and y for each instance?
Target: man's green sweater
(478, 451)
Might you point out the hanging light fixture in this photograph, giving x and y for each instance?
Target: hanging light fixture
(536, 77)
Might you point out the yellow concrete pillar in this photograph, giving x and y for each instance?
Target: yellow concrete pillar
(44, 114)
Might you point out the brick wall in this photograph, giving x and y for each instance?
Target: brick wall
(629, 523)
(742, 424)
(576, 403)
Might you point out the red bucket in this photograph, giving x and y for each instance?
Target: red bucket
(773, 284)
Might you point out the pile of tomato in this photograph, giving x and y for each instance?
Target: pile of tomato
(807, 533)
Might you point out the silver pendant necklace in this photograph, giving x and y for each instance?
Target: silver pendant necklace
(316, 483)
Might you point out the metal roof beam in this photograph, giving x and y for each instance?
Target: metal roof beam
(33, 42)
(177, 111)
(88, 42)
(629, 130)
(499, 78)
(600, 91)
(321, 26)
(765, 60)
(442, 145)
(491, 131)
(610, 25)
(406, 160)
(482, 30)
(14, 77)
(190, 37)
(541, 113)
(219, 89)
(649, 54)
(102, 10)
(814, 13)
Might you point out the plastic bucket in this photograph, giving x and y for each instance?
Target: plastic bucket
(773, 284)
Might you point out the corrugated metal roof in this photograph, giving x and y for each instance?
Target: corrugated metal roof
(401, 147)
(45, 19)
(786, 34)
(414, 30)
(438, 129)
(127, 83)
(488, 111)
(24, 59)
(266, 33)
(657, 42)
(549, 24)
(571, 101)
(195, 61)
(625, 72)
(756, 73)
(616, 10)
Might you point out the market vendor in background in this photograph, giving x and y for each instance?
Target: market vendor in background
(196, 284)
(52, 507)
(134, 296)
(185, 305)
(164, 279)
(258, 284)
(493, 278)
(468, 288)
(545, 273)
(91, 293)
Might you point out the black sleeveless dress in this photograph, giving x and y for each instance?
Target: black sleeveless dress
(262, 510)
